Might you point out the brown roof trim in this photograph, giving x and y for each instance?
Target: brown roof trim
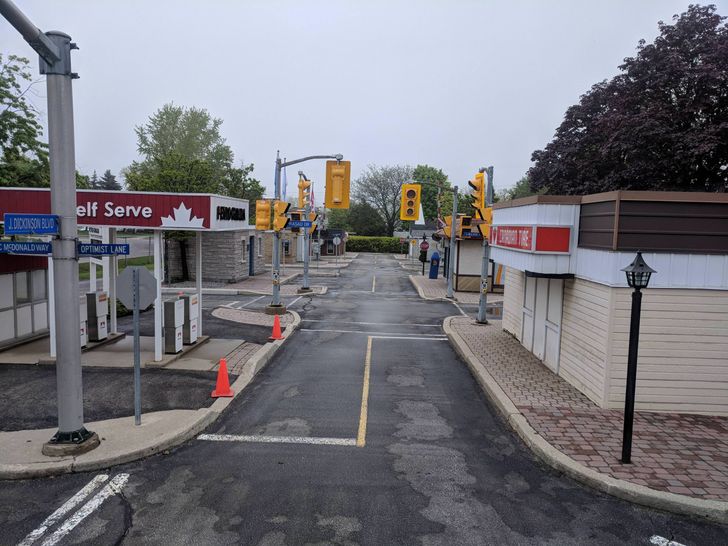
(539, 199)
(673, 196)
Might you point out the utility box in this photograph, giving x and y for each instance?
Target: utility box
(97, 310)
(189, 328)
(174, 317)
(83, 316)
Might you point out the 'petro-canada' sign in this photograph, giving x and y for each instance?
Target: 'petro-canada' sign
(180, 211)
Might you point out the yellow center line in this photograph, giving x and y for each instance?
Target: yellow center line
(361, 436)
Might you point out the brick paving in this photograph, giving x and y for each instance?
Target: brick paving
(680, 453)
(437, 288)
(238, 357)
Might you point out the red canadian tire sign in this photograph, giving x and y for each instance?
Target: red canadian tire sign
(541, 239)
(182, 211)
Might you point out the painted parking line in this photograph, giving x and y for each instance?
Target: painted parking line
(362, 433)
(657, 540)
(374, 282)
(112, 488)
(277, 439)
(397, 335)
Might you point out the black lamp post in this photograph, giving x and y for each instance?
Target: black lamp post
(638, 277)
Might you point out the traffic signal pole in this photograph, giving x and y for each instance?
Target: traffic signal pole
(453, 235)
(275, 307)
(483, 301)
(54, 49)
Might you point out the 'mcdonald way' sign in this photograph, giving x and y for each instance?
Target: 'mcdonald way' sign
(146, 210)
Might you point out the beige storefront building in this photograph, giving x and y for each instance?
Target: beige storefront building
(567, 301)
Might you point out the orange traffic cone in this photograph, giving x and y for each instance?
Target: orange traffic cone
(223, 382)
(276, 335)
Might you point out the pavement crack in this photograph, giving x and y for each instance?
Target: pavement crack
(128, 517)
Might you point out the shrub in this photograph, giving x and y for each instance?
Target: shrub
(386, 245)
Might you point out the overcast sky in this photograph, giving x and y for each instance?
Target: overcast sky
(455, 84)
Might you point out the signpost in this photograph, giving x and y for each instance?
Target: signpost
(136, 288)
(337, 242)
(30, 224)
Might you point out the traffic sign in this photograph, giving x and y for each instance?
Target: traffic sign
(30, 224)
(337, 240)
(98, 249)
(147, 287)
(299, 224)
(424, 245)
(25, 247)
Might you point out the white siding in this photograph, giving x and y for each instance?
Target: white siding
(683, 351)
(513, 301)
(584, 337)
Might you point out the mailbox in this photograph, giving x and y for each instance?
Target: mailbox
(191, 309)
(97, 310)
(174, 316)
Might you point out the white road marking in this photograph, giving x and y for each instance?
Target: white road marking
(371, 323)
(397, 335)
(253, 301)
(657, 540)
(294, 301)
(278, 439)
(66, 507)
(374, 282)
(423, 338)
(463, 313)
(114, 486)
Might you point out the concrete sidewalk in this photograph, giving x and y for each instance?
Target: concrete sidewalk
(260, 285)
(121, 440)
(436, 289)
(680, 461)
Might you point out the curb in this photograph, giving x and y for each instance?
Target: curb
(203, 418)
(422, 294)
(233, 291)
(713, 510)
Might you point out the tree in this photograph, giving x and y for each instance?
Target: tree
(24, 159)
(425, 173)
(172, 173)
(522, 188)
(338, 219)
(658, 125)
(108, 181)
(365, 220)
(380, 187)
(239, 183)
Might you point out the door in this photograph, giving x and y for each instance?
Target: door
(251, 256)
(552, 324)
(539, 317)
(529, 304)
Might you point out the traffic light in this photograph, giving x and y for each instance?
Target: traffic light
(295, 216)
(304, 192)
(448, 226)
(280, 220)
(262, 214)
(410, 206)
(464, 225)
(338, 174)
(486, 216)
(478, 193)
(313, 217)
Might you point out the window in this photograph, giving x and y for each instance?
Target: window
(244, 257)
(286, 247)
(22, 287)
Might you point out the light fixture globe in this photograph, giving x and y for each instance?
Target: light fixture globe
(638, 272)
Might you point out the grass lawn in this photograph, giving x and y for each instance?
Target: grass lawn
(148, 261)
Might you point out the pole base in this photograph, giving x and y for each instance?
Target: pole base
(275, 309)
(304, 290)
(481, 321)
(64, 444)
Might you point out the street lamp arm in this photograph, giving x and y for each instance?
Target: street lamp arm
(31, 33)
(337, 157)
(451, 190)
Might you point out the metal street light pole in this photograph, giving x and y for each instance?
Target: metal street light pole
(275, 306)
(483, 301)
(306, 241)
(451, 252)
(54, 49)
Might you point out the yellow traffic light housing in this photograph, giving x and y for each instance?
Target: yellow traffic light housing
(463, 224)
(338, 175)
(304, 192)
(295, 216)
(486, 217)
(280, 220)
(313, 217)
(262, 214)
(448, 226)
(478, 193)
(409, 209)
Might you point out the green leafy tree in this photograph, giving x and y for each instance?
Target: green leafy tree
(433, 175)
(94, 181)
(338, 219)
(365, 220)
(172, 173)
(239, 183)
(108, 181)
(522, 188)
(380, 187)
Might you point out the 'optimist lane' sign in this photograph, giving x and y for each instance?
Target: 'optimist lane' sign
(30, 224)
(98, 249)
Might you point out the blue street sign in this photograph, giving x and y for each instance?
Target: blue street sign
(30, 224)
(25, 247)
(299, 223)
(98, 249)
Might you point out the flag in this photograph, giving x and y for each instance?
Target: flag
(421, 218)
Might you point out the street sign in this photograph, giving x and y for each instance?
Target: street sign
(125, 287)
(30, 224)
(424, 245)
(299, 224)
(25, 247)
(337, 240)
(98, 249)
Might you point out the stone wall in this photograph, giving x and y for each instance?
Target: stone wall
(222, 257)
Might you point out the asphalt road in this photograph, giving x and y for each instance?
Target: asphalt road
(434, 464)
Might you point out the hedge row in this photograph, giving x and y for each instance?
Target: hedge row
(387, 245)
